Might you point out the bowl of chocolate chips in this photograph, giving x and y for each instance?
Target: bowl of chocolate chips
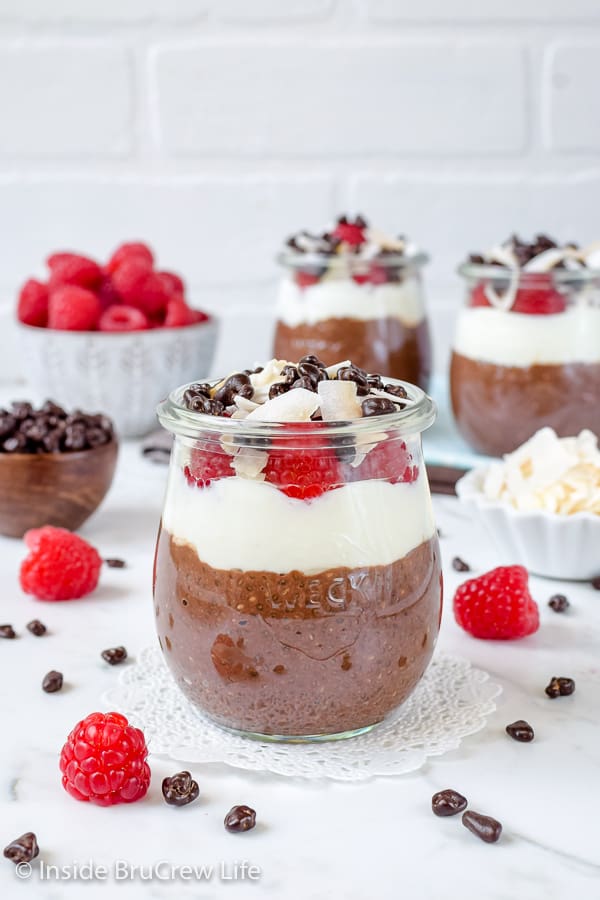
(55, 467)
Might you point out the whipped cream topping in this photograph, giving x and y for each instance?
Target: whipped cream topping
(250, 525)
(558, 475)
(490, 335)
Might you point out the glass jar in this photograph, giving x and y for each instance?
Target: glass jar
(290, 606)
(526, 354)
(346, 307)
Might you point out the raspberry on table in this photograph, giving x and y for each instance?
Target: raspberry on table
(73, 308)
(60, 565)
(71, 268)
(497, 605)
(123, 318)
(131, 250)
(103, 761)
(32, 308)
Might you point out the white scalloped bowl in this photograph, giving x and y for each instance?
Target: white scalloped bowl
(124, 375)
(547, 544)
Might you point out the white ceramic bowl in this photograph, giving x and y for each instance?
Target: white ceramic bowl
(548, 544)
(124, 375)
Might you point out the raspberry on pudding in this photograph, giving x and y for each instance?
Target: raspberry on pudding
(526, 351)
(353, 292)
(297, 574)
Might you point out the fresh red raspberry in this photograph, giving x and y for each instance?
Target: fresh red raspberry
(478, 296)
(207, 464)
(133, 250)
(32, 308)
(198, 315)
(123, 318)
(139, 286)
(352, 233)
(171, 282)
(305, 279)
(178, 313)
(73, 308)
(539, 301)
(60, 565)
(107, 293)
(70, 268)
(389, 460)
(304, 473)
(103, 761)
(497, 605)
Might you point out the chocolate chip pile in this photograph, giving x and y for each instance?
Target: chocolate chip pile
(217, 400)
(524, 252)
(50, 429)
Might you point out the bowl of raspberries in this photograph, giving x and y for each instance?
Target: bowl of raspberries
(114, 337)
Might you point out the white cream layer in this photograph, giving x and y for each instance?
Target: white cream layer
(237, 523)
(515, 339)
(343, 298)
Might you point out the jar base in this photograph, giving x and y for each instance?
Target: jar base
(297, 738)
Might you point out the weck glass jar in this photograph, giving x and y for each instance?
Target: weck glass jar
(297, 580)
(360, 301)
(526, 354)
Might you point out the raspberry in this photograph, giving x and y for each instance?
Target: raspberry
(305, 279)
(198, 315)
(73, 308)
(60, 565)
(497, 605)
(103, 761)
(207, 464)
(123, 318)
(139, 286)
(352, 233)
(304, 473)
(70, 268)
(135, 250)
(107, 293)
(538, 301)
(32, 308)
(478, 296)
(171, 282)
(178, 313)
(389, 460)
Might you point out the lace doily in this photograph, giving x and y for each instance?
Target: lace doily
(452, 701)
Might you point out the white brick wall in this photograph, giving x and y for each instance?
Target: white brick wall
(213, 128)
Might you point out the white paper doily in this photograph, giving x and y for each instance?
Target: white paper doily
(452, 701)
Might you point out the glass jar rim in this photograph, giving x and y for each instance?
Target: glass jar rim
(482, 271)
(415, 418)
(295, 260)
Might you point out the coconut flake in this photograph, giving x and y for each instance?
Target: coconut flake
(339, 401)
(249, 463)
(333, 370)
(297, 405)
(546, 260)
(262, 381)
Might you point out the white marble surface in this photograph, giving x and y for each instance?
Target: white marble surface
(377, 839)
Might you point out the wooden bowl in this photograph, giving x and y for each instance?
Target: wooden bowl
(61, 489)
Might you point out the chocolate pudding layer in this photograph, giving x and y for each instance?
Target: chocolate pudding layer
(497, 408)
(376, 345)
(293, 654)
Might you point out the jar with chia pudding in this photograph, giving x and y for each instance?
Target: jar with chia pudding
(298, 585)
(354, 293)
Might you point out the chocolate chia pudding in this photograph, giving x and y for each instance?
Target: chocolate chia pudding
(297, 575)
(377, 345)
(354, 293)
(527, 345)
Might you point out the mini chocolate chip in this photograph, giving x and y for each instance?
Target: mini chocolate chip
(375, 382)
(378, 406)
(448, 803)
(277, 389)
(114, 655)
(230, 387)
(483, 827)
(290, 374)
(52, 682)
(558, 603)
(520, 731)
(312, 361)
(240, 818)
(560, 687)
(7, 631)
(21, 410)
(15, 443)
(596, 583)
(23, 849)
(396, 390)
(8, 424)
(114, 563)
(359, 376)
(180, 789)
(36, 627)
(459, 565)
(314, 373)
(304, 382)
